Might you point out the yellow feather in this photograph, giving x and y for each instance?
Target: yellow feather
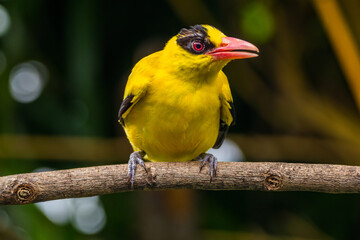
(226, 98)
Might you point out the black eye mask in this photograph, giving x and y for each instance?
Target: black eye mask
(194, 40)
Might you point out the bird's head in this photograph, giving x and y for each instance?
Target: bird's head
(204, 50)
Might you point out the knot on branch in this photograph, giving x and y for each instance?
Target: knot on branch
(272, 181)
(25, 193)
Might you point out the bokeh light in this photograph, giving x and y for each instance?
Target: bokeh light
(57, 211)
(228, 152)
(86, 214)
(4, 20)
(257, 22)
(27, 81)
(89, 215)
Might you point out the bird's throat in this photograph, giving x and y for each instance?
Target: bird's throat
(198, 73)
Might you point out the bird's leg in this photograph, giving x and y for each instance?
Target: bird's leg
(135, 158)
(207, 157)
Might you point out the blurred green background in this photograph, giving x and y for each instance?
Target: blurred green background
(63, 68)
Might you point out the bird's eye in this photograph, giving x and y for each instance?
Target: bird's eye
(197, 46)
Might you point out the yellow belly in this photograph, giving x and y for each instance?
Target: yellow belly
(174, 124)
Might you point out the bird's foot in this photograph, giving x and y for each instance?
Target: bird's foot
(207, 157)
(135, 158)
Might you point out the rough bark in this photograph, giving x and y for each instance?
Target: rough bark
(265, 176)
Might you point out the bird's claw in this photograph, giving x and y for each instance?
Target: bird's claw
(135, 158)
(207, 157)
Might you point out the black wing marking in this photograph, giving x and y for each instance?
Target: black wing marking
(224, 128)
(125, 106)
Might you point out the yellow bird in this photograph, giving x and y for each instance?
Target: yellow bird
(177, 102)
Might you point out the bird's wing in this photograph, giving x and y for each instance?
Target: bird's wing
(133, 93)
(129, 102)
(136, 86)
(227, 111)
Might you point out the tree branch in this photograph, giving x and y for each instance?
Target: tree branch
(266, 176)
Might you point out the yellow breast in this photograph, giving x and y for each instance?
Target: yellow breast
(176, 120)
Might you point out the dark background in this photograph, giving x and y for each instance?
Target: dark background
(296, 102)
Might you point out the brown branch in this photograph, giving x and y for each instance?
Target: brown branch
(266, 176)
